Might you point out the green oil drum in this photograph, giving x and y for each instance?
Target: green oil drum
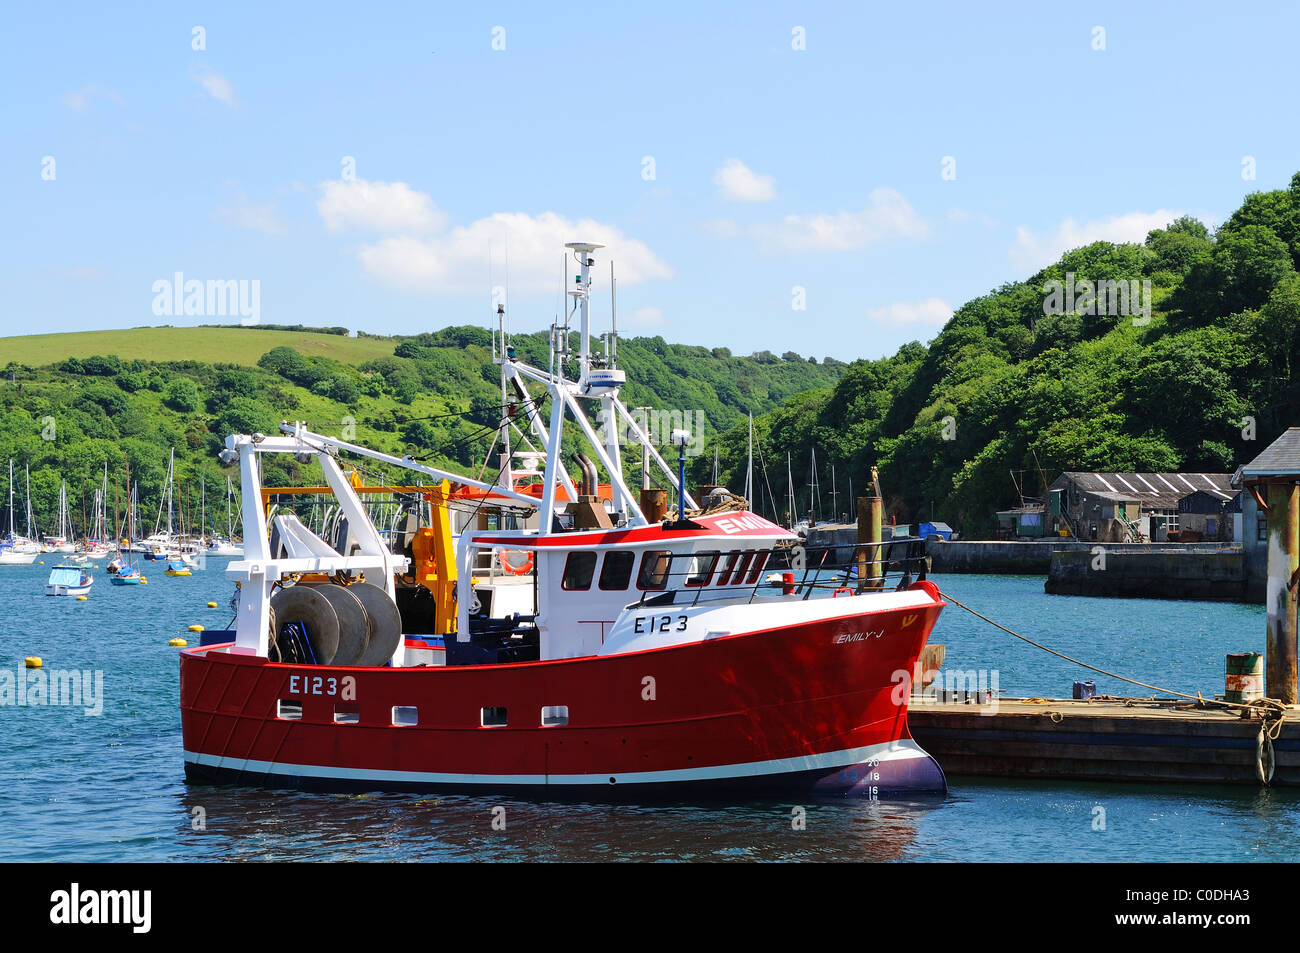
(1244, 680)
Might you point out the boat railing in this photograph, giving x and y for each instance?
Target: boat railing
(691, 579)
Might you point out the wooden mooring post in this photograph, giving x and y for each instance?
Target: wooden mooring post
(870, 509)
(1272, 480)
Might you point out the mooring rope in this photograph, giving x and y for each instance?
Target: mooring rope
(1272, 712)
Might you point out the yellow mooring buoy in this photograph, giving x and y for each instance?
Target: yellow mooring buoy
(81, 598)
(33, 661)
(212, 605)
(196, 628)
(179, 643)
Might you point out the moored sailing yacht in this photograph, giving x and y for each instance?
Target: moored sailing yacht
(122, 571)
(217, 545)
(15, 550)
(583, 645)
(62, 542)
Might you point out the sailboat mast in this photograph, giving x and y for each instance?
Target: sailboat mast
(130, 523)
(812, 484)
(171, 482)
(27, 502)
(789, 483)
(749, 470)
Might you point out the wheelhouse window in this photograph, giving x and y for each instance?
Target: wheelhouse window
(616, 570)
(578, 570)
(701, 567)
(654, 569)
(730, 564)
(760, 560)
(739, 576)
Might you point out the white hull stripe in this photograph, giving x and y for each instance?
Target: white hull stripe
(901, 750)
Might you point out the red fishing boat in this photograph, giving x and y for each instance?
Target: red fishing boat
(568, 638)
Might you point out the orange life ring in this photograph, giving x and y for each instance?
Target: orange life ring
(505, 564)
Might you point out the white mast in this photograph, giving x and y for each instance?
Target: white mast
(749, 473)
(789, 482)
(103, 510)
(171, 461)
(27, 502)
(835, 510)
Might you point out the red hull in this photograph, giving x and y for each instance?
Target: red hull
(816, 706)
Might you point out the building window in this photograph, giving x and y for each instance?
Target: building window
(616, 570)
(578, 570)
(1261, 527)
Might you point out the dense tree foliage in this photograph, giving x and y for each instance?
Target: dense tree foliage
(1007, 388)
(437, 397)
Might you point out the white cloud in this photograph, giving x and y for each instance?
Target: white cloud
(456, 261)
(645, 318)
(1031, 252)
(738, 182)
(215, 85)
(886, 215)
(964, 216)
(81, 99)
(720, 228)
(929, 312)
(392, 207)
(262, 218)
(79, 272)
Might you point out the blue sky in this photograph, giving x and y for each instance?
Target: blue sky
(773, 168)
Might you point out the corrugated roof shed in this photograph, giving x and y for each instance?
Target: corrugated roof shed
(1280, 458)
(1159, 490)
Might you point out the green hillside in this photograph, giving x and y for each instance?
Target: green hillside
(229, 345)
(1021, 378)
(71, 402)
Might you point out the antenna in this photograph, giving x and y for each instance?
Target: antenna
(613, 317)
(581, 294)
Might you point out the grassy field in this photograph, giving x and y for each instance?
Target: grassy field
(232, 345)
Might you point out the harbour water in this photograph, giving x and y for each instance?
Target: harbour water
(111, 787)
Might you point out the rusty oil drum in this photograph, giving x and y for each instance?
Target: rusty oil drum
(1244, 678)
